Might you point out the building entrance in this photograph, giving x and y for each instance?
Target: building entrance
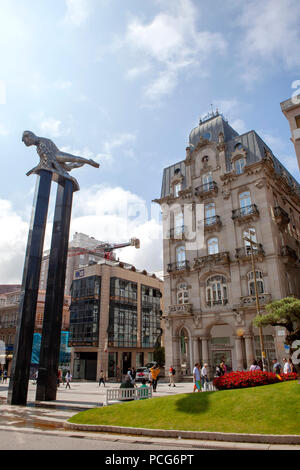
(85, 366)
(222, 355)
(126, 361)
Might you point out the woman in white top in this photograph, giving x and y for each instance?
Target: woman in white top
(286, 368)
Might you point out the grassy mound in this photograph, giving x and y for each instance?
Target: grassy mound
(270, 409)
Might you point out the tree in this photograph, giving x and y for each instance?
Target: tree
(159, 355)
(284, 313)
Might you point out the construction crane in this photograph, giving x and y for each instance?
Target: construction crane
(105, 249)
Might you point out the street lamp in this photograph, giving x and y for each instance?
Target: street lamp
(261, 338)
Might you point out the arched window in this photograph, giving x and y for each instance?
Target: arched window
(216, 291)
(182, 293)
(238, 146)
(259, 282)
(178, 224)
(177, 188)
(212, 246)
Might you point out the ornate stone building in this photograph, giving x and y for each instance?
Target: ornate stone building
(229, 187)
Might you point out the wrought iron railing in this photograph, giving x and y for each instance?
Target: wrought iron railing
(178, 266)
(206, 187)
(245, 211)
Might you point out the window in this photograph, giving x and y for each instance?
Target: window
(177, 188)
(178, 224)
(212, 246)
(239, 166)
(210, 210)
(251, 234)
(182, 294)
(216, 291)
(259, 283)
(180, 255)
(207, 181)
(245, 202)
(297, 119)
(238, 146)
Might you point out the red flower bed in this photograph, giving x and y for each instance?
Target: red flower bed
(250, 379)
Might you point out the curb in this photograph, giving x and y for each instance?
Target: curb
(201, 435)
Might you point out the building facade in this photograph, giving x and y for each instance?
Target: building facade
(115, 319)
(291, 110)
(229, 189)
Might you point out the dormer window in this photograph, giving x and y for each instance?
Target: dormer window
(177, 189)
(239, 166)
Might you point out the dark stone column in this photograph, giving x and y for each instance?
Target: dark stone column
(19, 378)
(51, 334)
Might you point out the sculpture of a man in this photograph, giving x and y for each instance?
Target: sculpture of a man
(53, 159)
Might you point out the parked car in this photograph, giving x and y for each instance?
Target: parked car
(142, 373)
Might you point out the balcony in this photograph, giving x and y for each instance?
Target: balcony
(207, 190)
(281, 217)
(244, 253)
(244, 214)
(180, 309)
(221, 258)
(288, 254)
(178, 266)
(215, 303)
(250, 300)
(213, 223)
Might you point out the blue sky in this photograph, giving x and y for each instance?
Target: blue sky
(124, 82)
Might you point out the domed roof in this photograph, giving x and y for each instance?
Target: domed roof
(209, 128)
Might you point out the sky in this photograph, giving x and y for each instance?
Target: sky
(124, 82)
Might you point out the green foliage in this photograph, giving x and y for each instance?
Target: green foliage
(284, 313)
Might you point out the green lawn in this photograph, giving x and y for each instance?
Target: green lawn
(269, 409)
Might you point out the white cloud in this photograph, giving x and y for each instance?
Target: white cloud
(13, 241)
(51, 127)
(78, 11)
(270, 36)
(117, 215)
(108, 214)
(170, 44)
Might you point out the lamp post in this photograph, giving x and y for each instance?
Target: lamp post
(261, 338)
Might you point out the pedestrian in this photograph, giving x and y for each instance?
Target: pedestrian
(4, 376)
(291, 365)
(133, 374)
(254, 366)
(276, 367)
(172, 373)
(68, 379)
(58, 377)
(144, 393)
(101, 378)
(218, 372)
(286, 366)
(154, 373)
(204, 377)
(223, 368)
(197, 378)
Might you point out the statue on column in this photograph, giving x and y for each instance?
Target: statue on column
(53, 159)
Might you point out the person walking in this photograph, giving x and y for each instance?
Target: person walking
(172, 373)
(204, 377)
(286, 366)
(223, 368)
(101, 378)
(197, 378)
(68, 379)
(276, 367)
(4, 376)
(291, 365)
(254, 366)
(154, 373)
